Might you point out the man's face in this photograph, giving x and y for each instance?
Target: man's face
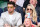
(33, 2)
(27, 22)
(10, 8)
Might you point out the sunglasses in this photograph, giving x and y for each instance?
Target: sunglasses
(9, 7)
(29, 9)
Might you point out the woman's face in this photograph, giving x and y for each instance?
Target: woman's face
(29, 9)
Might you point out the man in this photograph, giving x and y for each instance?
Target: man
(19, 7)
(11, 16)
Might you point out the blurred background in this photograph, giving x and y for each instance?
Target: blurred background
(3, 3)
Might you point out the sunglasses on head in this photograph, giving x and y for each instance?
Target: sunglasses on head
(29, 9)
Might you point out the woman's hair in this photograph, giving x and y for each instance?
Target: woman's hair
(34, 12)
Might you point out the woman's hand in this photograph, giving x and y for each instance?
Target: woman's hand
(26, 16)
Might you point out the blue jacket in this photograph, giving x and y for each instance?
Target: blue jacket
(1, 11)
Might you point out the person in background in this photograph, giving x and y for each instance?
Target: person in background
(33, 2)
(1, 11)
(19, 7)
(27, 23)
(33, 15)
(11, 16)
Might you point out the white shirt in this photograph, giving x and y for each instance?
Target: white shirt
(14, 19)
(20, 3)
(1, 22)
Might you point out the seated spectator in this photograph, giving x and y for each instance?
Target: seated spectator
(27, 23)
(19, 7)
(33, 15)
(1, 11)
(11, 16)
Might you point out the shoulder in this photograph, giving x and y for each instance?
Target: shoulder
(17, 13)
(4, 13)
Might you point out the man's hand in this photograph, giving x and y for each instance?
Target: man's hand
(7, 25)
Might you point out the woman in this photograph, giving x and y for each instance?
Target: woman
(33, 15)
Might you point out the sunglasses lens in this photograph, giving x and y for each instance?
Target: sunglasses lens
(29, 9)
(9, 7)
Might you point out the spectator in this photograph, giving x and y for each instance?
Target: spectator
(1, 11)
(11, 16)
(19, 7)
(33, 15)
(27, 24)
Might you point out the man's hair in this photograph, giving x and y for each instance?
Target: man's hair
(13, 3)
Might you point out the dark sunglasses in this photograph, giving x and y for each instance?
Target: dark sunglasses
(29, 9)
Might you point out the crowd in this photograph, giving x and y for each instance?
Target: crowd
(20, 14)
